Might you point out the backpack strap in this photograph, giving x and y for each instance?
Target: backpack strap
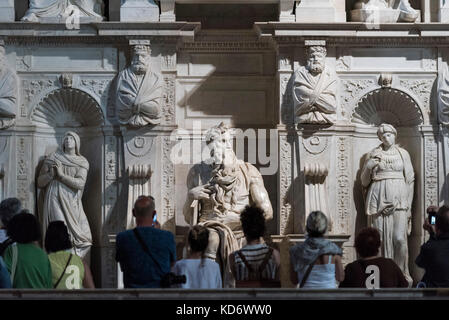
(63, 272)
(265, 260)
(243, 258)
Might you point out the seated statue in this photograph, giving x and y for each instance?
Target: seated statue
(63, 8)
(401, 10)
(8, 93)
(223, 189)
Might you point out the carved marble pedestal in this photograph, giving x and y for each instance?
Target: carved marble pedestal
(139, 11)
(7, 13)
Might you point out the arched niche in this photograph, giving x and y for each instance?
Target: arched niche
(69, 109)
(398, 108)
(387, 105)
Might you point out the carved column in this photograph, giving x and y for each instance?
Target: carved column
(315, 189)
(286, 156)
(139, 184)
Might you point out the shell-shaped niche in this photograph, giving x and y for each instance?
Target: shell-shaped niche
(387, 106)
(68, 108)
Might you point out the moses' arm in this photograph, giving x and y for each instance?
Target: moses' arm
(259, 194)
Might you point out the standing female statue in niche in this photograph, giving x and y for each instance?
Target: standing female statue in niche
(63, 175)
(388, 175)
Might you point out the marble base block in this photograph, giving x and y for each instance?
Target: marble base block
(139, 11)
(316, 14)
(7, 11)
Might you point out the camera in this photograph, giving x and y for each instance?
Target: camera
(170, 279)
(432, 216)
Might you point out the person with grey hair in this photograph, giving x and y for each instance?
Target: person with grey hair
(388, 176)
(8, 209)
(316, 263)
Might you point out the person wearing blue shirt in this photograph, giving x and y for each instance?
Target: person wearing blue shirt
(140, 270)
(5, 278)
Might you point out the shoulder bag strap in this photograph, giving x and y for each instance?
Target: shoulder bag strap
(306, 275)
(145, 248)
(248, 266)
(63, 272)
(15, 257)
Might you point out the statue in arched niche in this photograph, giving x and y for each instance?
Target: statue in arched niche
(8, 92)
(139, 90)
(63, 8)
(63, 177)
(389, 177)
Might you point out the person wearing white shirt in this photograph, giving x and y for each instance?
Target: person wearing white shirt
(200, 272)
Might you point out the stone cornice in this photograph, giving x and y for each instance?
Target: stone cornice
(185, 30)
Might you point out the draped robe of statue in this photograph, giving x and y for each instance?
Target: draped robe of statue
(56, 8)
(315, 96)
(391, 182)
(8, 97)
(221, 212)
(139, 98)
(62, 200)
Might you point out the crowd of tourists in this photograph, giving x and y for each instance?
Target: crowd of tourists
(147, 255)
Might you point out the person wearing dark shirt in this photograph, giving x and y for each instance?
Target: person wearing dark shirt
(367, 244)
(8, 209)
(140, 270)
(433, 257)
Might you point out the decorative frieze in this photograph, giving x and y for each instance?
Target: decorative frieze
(167, 186)
(285, 183)
(344, 198)
(351, 92)
(431, 171)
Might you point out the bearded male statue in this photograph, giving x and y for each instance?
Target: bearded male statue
(139, 90)
(223, 189)
(315, 89)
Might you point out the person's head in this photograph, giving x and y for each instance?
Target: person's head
(8, 209)
(442, 220)
(71, 141)
(367, 242)
(144, 210)
(198, 238)
(57, 237)
(218, 139)
(316, 60)
(253, 223)
(24, 228)
(141, 59)
(316, 224)
(387, 134)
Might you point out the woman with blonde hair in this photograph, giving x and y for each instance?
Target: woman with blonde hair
(316, 263)
(200, 272)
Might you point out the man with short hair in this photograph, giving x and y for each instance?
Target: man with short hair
(8, 209)
(145, 253)
(435, 252)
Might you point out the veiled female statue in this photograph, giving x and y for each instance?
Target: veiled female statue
(63, 176)
(63, 8)
(388, 175)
